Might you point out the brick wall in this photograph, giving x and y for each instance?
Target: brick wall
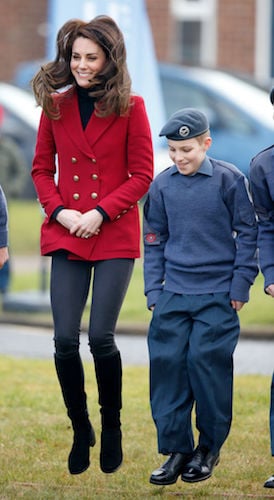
(236, 33)
(162, 27)
(20, 24)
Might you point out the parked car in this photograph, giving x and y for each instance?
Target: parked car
(239, 112)
(20, 123)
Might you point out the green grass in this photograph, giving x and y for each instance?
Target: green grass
(35, 438)
(25, 221)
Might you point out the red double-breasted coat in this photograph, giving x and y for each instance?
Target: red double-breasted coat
(110, 164)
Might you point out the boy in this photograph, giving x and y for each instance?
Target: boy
(200, 260)
(262, 187)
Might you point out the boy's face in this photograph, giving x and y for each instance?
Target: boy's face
(189, 153)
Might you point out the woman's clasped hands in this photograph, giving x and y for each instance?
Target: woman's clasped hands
(81, 225)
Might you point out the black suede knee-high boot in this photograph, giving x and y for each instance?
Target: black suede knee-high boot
(109, 379)
(71, 378)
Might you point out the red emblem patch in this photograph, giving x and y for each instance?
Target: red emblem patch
(150, 237)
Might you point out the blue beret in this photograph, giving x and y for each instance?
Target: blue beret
(271, 96)
(185, 124)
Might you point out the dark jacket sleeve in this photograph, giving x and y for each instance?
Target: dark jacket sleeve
(3, 220)
(262, 188)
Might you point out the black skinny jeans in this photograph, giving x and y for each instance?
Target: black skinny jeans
(69, 288)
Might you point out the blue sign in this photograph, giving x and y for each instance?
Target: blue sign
(132, 19)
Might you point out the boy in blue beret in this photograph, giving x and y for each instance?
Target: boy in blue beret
(262, 187)
(200, 260)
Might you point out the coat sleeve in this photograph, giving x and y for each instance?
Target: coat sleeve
(139, 163)
(44, 167)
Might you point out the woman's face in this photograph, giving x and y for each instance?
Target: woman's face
(87, 59)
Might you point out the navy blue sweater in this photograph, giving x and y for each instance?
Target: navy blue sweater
(262, 187)
(200, 233)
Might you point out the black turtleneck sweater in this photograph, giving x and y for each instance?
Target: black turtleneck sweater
(86, 104)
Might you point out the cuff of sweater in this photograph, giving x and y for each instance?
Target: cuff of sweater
(152, 297)
(56, 212)
(102, 212)
(3, 238)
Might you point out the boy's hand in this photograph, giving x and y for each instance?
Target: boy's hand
(270, 290)
(4, 256)
(237, 304)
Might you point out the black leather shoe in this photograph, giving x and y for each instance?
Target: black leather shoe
(201, 465)
(269, 483)
(169, 472)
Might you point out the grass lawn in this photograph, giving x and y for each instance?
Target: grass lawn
(35, 438)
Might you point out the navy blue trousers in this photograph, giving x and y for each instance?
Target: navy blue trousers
(191, 342)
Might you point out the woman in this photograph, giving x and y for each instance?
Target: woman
(93, 162)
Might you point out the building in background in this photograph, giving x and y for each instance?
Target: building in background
(230, 35)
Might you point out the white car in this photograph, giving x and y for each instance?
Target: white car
(20, 122)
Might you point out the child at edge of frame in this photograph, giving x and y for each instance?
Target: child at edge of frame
(200, 260)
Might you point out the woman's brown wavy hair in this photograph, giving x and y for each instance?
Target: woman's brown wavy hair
(111, 87)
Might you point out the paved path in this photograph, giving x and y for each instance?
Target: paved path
(251, 356)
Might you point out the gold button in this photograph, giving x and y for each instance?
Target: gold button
(94, 177)
(76, 196)
(76, 178)
(94, 196)
(93, 160)
(73, 160)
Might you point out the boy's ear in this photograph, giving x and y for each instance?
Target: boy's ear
(208, 142)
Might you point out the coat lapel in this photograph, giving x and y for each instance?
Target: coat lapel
(71, 121)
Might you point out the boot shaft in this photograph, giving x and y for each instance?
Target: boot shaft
(108, 372)
(70, 374)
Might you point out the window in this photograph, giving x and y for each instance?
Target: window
(196, 31)
(190, 41)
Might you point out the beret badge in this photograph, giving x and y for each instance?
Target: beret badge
(184, 131)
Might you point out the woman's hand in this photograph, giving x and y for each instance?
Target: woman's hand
(68, 217)
(87, 225)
